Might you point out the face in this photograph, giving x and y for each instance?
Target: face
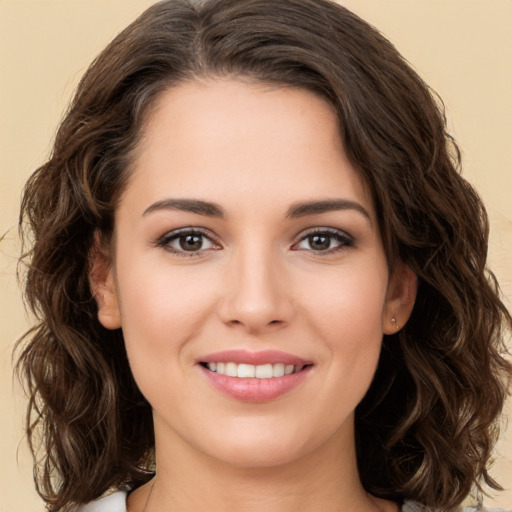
(249, 277)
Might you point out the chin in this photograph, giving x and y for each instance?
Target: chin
(263, 457)
(265, 446)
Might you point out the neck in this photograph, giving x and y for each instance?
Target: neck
(325, 479)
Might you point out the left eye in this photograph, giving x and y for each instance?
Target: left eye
(187, 242)
(324, 241)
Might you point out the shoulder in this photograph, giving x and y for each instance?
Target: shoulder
(115, 502)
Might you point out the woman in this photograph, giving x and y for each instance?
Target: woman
(259, 275)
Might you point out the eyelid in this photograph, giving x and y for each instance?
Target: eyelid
(346, 240)
(164, 240)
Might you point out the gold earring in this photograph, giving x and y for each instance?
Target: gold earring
(395, 323)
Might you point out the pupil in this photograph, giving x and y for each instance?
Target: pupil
(191, 242)
(319, 242)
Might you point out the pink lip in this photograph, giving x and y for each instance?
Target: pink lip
(255, 390)
(255, 358)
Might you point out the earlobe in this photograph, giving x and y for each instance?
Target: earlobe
(108, 306)
(400, 299)
(103, 288)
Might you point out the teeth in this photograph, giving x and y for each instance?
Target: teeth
(278, 370)
(231, 369)
(263, 371)
(246, 371)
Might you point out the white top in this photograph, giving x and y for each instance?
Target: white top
(116, 502)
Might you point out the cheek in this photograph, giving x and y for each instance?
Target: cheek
(348, 315)
(350, 301)
(162, 311)
(155, 296)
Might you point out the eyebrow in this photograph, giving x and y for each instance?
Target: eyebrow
(329, 205)
(187, 205)
(295, 211)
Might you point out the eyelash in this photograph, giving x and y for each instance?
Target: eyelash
(345, 241)
(166, 240)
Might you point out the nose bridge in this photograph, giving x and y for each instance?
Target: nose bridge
(256, 292)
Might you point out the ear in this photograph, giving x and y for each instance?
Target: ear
(400, 298)
(102, 285)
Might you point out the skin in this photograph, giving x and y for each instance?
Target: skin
(257, 282)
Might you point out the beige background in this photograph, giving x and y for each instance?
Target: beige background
(463, 48)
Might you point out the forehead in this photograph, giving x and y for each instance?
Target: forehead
(203, 137)
(235, 107)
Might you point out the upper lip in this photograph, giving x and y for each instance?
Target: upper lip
(255, 358)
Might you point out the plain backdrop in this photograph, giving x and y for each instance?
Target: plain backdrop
(462, 48)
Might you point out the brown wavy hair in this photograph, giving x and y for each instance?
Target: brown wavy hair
(427, 426)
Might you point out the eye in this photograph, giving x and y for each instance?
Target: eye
(324, 240)
(187, 242)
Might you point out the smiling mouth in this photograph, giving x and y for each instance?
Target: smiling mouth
(250, 371)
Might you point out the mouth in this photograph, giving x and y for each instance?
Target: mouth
(251, 371)
(254, 376)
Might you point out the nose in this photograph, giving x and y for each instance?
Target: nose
(257, 297)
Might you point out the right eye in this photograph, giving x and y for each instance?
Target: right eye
(187, 242)
(324, 241)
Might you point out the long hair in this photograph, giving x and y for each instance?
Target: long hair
(426, 428)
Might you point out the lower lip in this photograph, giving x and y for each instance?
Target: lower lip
(255, 390)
